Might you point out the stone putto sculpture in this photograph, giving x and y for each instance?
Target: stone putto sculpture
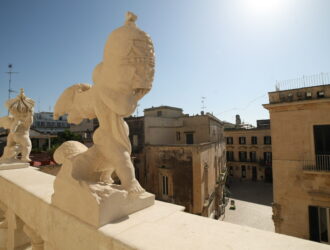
(123, 77)
(18, 122)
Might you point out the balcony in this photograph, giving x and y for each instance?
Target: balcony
(303, 82)
(29, 218)
(265, 162)
(246, 160)
(320, 164)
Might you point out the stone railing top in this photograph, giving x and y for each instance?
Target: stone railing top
(27, 193)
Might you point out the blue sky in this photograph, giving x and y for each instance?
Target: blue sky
(229, 51)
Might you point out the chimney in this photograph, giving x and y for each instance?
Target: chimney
(238, 120)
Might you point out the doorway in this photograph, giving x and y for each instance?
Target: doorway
(254, 173)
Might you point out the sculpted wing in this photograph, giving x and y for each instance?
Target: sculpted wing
(76, 101)
(6, 121)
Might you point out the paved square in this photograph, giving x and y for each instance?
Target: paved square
(253, 205)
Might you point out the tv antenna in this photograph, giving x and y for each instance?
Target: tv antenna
(10, 72)
(203, 103)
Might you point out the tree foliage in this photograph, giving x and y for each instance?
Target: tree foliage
(64, 136)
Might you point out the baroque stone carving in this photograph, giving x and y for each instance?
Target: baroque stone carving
(123, 77)
(18, 122)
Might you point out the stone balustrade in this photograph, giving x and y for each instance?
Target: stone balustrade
(28, 218)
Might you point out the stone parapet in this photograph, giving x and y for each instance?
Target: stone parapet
(26, 203)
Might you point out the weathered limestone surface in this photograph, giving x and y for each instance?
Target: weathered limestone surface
(13, 165)
(295, 189)
(121, 79)
(162, 226)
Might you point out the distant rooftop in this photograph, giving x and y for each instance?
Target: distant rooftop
(303, 82)
(300, 95)
(263, 123)
(159, 110)
(163, 107)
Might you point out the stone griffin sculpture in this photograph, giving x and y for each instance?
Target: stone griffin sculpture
(123, 77)
(18, 122)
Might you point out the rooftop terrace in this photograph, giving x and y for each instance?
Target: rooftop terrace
(312, 93)
(303, 82)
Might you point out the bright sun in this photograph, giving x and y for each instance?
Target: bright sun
(263, 6)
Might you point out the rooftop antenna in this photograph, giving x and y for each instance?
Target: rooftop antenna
(10, 72)
(203, 104)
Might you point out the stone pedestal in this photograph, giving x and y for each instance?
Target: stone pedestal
(95, 203)
(13, 165)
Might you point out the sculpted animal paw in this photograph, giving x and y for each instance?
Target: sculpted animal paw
(26, 159)
(106, 177)
(135, 188)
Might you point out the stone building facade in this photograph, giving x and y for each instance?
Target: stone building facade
(44, 123)
(300, 122)
(180, 158)
(85, 129)
(249, 152)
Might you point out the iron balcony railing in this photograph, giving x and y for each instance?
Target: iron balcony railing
(303, 82)
(321, 163)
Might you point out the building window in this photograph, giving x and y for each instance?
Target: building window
(242, 156)
(135, 140)
(253, 156)
(159, 113)
(189, 138)
(268, 158)
(319, 224)
(229, 140)
(322, 146)
(267, 140)
(230, 155)
(254, 140)
(165, 185)
(242, 140)
(178, 136)
(322, 139)
(243, 171)
(231, 171)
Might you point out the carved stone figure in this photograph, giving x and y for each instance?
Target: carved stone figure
(123, 77)
(18, 122)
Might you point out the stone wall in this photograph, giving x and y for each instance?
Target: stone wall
(30, 218)
(193, 172)
(293, 143)
(235, 166)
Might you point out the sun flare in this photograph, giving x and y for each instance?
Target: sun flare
(263, 6)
